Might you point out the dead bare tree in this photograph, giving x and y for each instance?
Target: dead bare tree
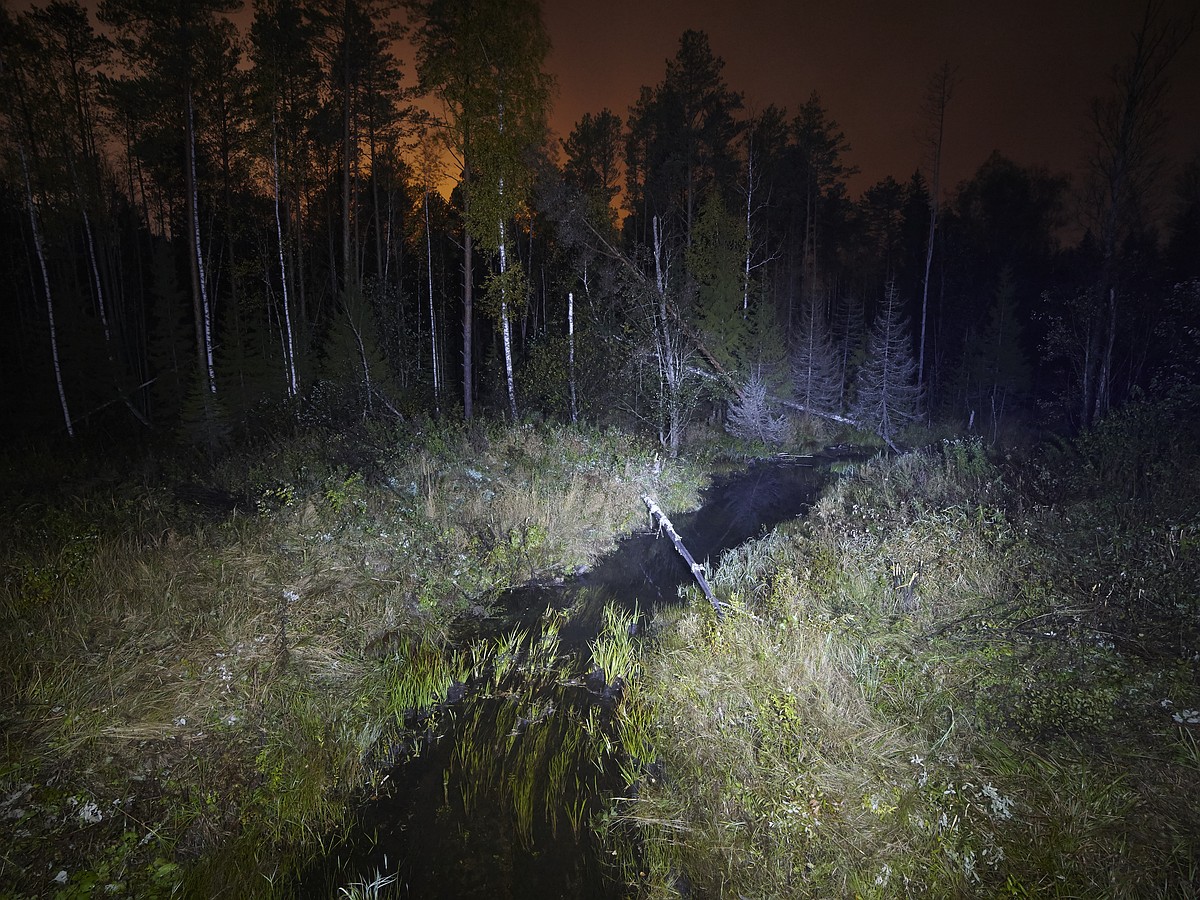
(933, 110)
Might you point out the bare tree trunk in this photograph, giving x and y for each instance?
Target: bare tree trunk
(468, 313)
(749, 232)
(506, 331)
(433, 346)
(940, 90)
(35, 227)
(201, 309)
(348, 269)
(664, 524)
(571, 355)
(670, 366)
(362, 355)
(289, 360)
(380, 261)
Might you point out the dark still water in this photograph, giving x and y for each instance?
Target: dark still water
(494, 802)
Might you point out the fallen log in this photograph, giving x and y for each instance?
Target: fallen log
(664, 525)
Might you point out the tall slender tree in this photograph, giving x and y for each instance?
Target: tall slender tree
(286, 79)
(484, 60)
(1126, 161)
(937, 98)
(164, 43)
(19, 121)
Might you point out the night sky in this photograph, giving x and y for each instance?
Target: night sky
(1028, 69)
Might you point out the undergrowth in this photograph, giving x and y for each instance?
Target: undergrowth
(200, 662)
(957, 677)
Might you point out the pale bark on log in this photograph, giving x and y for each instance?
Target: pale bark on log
(664, 524)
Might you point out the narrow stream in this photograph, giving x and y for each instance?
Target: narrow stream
(446, 826)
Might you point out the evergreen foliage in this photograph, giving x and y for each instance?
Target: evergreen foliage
(886, 393)
(714, 261)
(816, 380)
(679, 144)
(751, 416)
(191, 177)
(999, 370)
(353, 359)
(592, 163)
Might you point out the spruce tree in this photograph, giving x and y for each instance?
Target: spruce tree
(751, 417)
(815, 372)
(886, 392)
(715, 264)
(999, 371)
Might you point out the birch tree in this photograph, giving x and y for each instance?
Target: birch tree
(163, 42)
(483, 59)
(671, 353)
(286, 76)
(19, 130)
(430, 170)
(68, 56)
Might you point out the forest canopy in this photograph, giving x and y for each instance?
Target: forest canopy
(336, 211)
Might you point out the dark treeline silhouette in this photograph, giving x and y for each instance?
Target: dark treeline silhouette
(208, 231)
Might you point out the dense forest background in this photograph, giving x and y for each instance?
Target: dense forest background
(210, 231)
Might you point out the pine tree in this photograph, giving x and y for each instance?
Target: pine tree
(680, 141)
(886, 393)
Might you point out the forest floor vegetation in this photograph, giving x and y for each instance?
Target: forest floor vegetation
(200, 662)
(959, 675)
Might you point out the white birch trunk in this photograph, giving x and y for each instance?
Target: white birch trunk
(749, 233)
(206, 312)
(101, 306)
(506, 332)
(36, 230)
(571, 354)
(670, 366)
(289, 347)
(939, 98)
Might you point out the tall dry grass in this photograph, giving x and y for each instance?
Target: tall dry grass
(892, 708)
(217, 682)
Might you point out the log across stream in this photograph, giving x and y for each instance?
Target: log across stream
(446, 827)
